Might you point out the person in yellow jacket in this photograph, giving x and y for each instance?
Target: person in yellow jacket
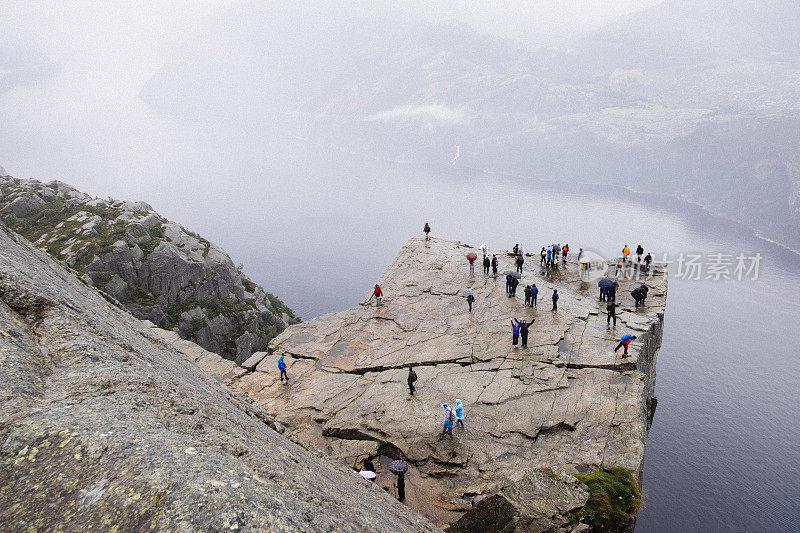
(625, 253)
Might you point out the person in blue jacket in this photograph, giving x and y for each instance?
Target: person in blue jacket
(459, 411)
(625, 341)
(515, 325)
(282, 368)
(534, 294)
(555, 299)
(447, 425)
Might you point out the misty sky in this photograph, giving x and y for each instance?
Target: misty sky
(71, 74)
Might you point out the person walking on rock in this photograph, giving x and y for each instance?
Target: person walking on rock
(412, 378)
(647, 260)
(459, 411)
(447, 424)
(427, 230)
(520, 261)
(611, 309)
(494, 265)
(282, 368)
(514, 283)
(527, 295)
(486, 264)
(471, 258)
(378, 294)
(523, 331)
(515, 326)
(543, 256)
(555, 299)
(625, 253)
(625, 341)
(534, 294)
(508, 285)
(470, 300)
(639, 252)
(549, 259)
(564, 252)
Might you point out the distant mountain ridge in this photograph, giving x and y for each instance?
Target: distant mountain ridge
(156, 268)
(698, 100)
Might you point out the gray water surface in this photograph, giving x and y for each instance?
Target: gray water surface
(723, 451)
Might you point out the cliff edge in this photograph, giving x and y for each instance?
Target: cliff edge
(567, 402)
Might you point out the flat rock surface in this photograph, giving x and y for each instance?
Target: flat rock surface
(105, 426)
(566, 400)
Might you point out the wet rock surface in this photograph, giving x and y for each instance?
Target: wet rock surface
(104, 425)
(566, 401)
(159, 270)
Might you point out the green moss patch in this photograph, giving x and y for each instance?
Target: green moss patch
(614, 498)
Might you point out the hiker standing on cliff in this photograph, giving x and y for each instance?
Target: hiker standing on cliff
(611, 309)
(543, 255)
(514, 283)
(555, 299)
(564, 252)
(282, 368)
(401, 486)
(447, 424)
(647, 260)
(486, 264)
(527, 295)
(625, 341)
(523, 331)
(494, 265)
(378, 294)
(639, 252)
(534, 294)
(625, 253)
(520, 261)
(515, 325)
(412, 378)
(427, 230)
(459, 411)
(471, 257)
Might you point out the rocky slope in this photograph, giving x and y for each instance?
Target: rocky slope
(105, 426)
(159, 270)
(567, 401)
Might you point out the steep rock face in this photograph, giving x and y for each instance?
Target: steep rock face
(160, 271)
(567, 401)
(105, 426)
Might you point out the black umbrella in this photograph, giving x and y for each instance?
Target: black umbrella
(398, 467)
(512, 273)
(607, 283)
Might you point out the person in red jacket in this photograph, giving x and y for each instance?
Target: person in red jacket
(625, 341)
(378, 294)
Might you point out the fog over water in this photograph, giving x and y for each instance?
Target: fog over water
(311, 139)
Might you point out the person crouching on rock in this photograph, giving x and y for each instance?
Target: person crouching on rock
(459, 410)
(282, 368)
(447, 425)
(515, 325)
(378, 294)
(624, 341)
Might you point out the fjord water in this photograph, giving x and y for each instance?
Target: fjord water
(723, 452)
